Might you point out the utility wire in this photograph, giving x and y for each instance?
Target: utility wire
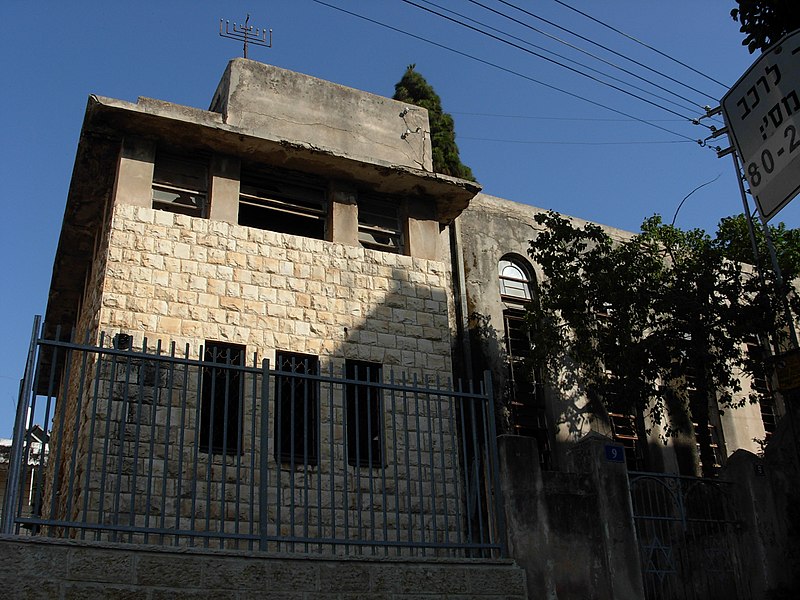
(641, 43)
(574, 70)
(587, 53)
(540, 118)
(652, 70)
(555, 143)
(505, 69)
(580, 64)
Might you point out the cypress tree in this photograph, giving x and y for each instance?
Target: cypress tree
(414, 89)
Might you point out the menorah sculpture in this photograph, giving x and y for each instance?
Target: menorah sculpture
(246, 33)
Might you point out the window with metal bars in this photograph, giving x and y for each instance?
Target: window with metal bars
(296, 408)
(221, 398)
(284, 202)
(761, 385)
(180, 184)
(364, 410)
(524, 388)
(379, 226)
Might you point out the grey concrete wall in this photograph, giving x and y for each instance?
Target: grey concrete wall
(61, 570)
(272, 103)
(573, 533)
(767, 497)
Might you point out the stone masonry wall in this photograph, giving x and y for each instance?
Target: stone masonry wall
(189, 280)
(69, 570)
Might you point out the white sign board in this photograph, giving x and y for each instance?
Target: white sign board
(762, 113)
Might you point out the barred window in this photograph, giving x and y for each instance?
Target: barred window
(296, 408)
(221, 399)
(364, 414)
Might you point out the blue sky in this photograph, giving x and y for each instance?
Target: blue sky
(523, 140)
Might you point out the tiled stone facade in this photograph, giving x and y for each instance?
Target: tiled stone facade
(187, 280)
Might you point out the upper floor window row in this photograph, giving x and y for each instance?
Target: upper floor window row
(282, 201)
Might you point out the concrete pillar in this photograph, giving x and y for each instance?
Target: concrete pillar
(223, 194)
(527, 522)
(620, 547)
(133, 183)
(342, 214)
(422, 229)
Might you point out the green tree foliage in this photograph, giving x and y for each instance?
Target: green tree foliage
(764, 22)
(414, 89)
(652, 325)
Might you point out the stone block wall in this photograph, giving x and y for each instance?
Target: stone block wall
(187, 280)
(70, 570)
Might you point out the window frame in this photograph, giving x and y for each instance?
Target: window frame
(217, 401)
(282, 202)
(364, 414)
(379, 217)
(172, 174)
(289, 392)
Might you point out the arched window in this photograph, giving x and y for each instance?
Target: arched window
(523, 383)
(515, 283)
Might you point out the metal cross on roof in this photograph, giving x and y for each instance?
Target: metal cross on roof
(246, 33)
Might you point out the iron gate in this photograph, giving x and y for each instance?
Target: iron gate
(686, 530)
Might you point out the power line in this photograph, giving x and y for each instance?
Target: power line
(504, 69)
(556, 143)
(585, 66)
(587, 53)
(512, 44)
(541, 118)
(607, 49)
(633, 39)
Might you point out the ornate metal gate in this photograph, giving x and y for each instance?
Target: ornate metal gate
(686, 529)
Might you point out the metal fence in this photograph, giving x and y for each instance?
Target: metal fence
(686, 529)
(218, 450)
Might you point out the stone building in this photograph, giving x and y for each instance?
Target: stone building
(299, 222)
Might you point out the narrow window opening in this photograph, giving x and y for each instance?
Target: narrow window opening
(364, 414)
(296, 408)
(221, 398)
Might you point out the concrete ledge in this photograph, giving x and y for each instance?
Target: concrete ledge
(65, 569)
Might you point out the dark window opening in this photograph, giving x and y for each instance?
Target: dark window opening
(221, 399)
(180, 185)
(707, 442)
(364, 414)
(296, 408)
(379, 224)
(284, 203)
(524, 389)
(761, 385)
(626, 431)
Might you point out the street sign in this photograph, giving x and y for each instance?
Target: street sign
(762, 114)
(615, 453)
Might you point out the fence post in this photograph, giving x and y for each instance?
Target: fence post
(18, 437)
(499, 509)
(263, 448)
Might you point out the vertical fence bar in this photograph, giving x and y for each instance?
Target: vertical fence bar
(263, 482)
(92, 419)
(263, 479)
(495, 465)
(181, 442)
(15, 460)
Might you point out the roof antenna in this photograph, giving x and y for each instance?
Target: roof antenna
(246, 33)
